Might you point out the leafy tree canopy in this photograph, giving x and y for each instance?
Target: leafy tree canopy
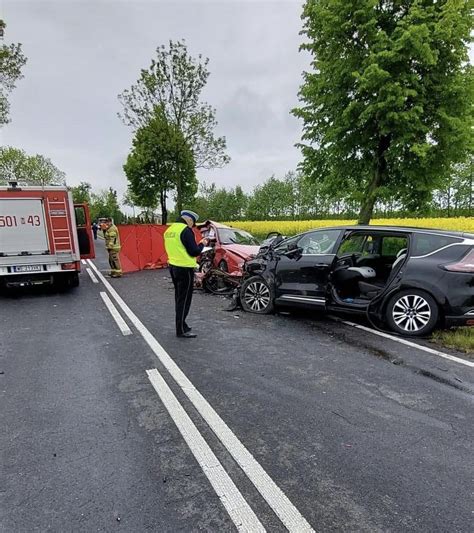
(81, 194)
(161, 161)
(387, 107)
(273, 199)
(220, 204)
(12, 61)
(104, 203)
(15, 164)
(174, 82)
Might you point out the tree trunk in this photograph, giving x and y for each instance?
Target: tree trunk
(164, 210)
(367, 207)
(470, 191)
(371, 192)
(179, 196)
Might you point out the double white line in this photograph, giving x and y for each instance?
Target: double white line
(239, 510)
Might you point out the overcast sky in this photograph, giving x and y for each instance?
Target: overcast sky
(82, 54)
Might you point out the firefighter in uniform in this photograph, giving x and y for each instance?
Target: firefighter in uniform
(182, 250)
(112, 245)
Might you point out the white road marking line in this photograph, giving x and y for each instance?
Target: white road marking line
(406, 342)
(115, 314)
(83, 261)
(235, 504)
(91, 275)
(274, 496)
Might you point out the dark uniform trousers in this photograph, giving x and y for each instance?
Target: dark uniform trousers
(183, 281)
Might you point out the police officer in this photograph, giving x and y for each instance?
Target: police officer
(182, 250)
(112, 245)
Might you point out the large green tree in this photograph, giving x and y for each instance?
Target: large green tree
(456, 197)
(271, 200)
(81, 194)
(144, 213)
(220, 204)
(15, 164)
(104, 203)
(227, 204)
(174, 82)
(387, 106)
(161, 161)
(12, 61)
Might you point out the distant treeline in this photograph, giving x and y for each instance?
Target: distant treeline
(289, 198)
(295, 198)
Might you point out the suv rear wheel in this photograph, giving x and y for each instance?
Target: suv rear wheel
(256, 296)
(412, 312)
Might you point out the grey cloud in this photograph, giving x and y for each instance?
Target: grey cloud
(83, 54)
(251, 122)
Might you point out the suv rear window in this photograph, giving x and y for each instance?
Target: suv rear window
(426, 243)
(392, 245)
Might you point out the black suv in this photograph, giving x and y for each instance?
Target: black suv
(410, 279)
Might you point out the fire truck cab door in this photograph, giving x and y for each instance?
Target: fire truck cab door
(84, 231)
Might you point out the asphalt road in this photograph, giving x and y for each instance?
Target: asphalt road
(361, 433)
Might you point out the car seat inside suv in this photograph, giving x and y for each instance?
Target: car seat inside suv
(370, 288)
(345, 279)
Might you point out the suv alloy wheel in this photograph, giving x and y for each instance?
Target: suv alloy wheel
(412, 312)
(256, 296)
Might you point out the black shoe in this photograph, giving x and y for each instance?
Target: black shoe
(187, 335)
(187, 328)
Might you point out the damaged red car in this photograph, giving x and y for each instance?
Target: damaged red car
(232, 246)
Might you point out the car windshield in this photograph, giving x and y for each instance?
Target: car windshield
(318, 242)
(236, 236)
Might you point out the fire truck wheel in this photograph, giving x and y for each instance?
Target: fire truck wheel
(74, 280)
(64, 282)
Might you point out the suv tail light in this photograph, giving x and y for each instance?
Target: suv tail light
(466, 264)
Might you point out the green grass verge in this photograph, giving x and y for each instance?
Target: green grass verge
(461, 339)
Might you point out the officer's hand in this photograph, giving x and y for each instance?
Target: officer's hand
(204, 241)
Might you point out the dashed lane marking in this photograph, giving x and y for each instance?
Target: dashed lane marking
(83, 261)
(115, 314)
(235, 504)
(274, 496)
(92, 276)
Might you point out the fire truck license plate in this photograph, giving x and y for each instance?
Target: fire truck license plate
(28, 268)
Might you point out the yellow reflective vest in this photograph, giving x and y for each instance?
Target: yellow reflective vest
(177, 254)
(112, 239)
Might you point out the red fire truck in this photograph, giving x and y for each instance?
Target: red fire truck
(43, 236)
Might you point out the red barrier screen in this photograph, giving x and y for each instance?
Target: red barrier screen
(142, 247)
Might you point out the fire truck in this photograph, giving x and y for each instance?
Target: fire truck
(43, 236)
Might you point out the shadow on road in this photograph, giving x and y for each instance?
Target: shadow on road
(39, 291)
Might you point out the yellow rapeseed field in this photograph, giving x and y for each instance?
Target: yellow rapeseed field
(292, 227)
